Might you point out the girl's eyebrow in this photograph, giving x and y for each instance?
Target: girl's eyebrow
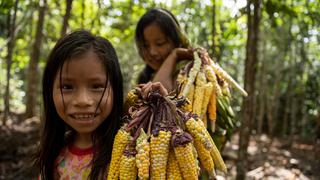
(93, 78)
(97, 79)
(66, 78)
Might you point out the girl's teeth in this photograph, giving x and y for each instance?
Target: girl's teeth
(84, 116)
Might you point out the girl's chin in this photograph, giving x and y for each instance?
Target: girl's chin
(83, 122)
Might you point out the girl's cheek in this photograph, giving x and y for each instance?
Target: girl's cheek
(145, 55)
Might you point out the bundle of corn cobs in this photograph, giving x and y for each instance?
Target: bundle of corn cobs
(160, 140)
(206, 86)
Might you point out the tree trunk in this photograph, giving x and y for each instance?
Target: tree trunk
(293, 119)
(249, 85)
(286, 111)
(261, 97)
(33, 74)
(66, 17)
(288, 95)
(274, 102)
(216, 46)
(302, 106)
(10, 46)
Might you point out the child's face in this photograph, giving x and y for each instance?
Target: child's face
(83, 80)
(157, 46)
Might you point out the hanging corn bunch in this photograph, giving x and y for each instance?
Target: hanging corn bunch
(160, 140)
(206, 86)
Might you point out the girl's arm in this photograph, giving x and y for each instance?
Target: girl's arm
(165, 73)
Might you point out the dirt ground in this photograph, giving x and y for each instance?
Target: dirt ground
(268, 158)
(276, 159)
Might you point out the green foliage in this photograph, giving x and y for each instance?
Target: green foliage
(288, 42)
(5, 7)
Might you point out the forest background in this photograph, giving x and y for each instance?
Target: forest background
(271, 47)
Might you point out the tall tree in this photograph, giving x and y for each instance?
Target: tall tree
(66, 17)
(33, 74)
(249, 84)
(261, 99)
(215, 32)
(10, 47)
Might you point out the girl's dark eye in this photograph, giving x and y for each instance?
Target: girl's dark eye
(66, 87)
(161, 43)
(98, 87)
(145, 46)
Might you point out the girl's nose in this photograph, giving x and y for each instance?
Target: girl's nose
(153, 51)
(83, 98)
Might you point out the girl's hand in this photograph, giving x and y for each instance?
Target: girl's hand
(182, 54)
(165, 73)
(152, 86)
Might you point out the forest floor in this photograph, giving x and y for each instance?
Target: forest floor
(268, 158)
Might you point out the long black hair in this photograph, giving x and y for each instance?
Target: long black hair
(169, 26)
(54, 130)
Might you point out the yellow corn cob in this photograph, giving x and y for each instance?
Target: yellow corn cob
(195, 127)
(197, 131)
(191, 93)
(181, 78)
(212, 107)
(211, 76)
(224, 75)
(192, 74)
(159, 154)
(216, 156)
(204, 156)
(130, 100)
(199, 93)
(188, 107)
(218, 161)
(142, 156)
(201, 79)
(212, 110)
(205, 120)
(128, 169)
(186, 160)
(225, 89)
(173, 170)
(207, 94)
(182, 82)
(122, 138)
(195, 155)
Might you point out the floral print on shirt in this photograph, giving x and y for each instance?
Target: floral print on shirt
(73, 163)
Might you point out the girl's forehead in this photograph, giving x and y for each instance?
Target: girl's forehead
(154, 25)
(153, 31)
(89, 63)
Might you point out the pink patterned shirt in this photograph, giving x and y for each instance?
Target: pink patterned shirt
(73, 163)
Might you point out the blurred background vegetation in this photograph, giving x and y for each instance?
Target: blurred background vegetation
(286, 96)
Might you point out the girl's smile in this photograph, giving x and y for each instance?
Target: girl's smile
(84, 118)
(82, 96)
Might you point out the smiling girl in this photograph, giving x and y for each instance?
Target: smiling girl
(161, 44)
(83, 96)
